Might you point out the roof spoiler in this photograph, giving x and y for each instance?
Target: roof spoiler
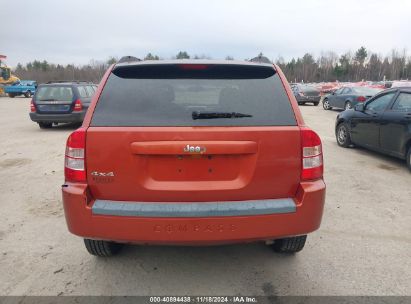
(128, 59)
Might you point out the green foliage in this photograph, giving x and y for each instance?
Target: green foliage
(112, 60)
(308, 59)
(150, 56)
(182, 55)
(360, 55)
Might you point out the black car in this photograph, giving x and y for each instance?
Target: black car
(61, 102)
(383, 124)
(306, 93)
(347, 97)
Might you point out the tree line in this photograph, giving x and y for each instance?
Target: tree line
(357, 66)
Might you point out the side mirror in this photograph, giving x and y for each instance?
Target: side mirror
(359, 107)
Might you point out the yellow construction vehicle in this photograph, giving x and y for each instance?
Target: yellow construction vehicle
(6, 77)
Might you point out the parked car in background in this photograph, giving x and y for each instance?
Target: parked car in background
(22, 87)
(306, 93)
(61, 102)
(383, 124)
(387, 84)
(401, 83)
(192, 152)
(328, 87)
(347, 97)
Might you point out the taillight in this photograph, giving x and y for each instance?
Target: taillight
(32, 106)
(74, 163)
(361, 98)
(312, 156)
(78, 106)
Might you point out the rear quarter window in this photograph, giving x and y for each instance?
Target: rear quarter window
(90, 91)
(82, 91)
(169, 98)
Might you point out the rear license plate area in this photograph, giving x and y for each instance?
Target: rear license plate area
(53, 108)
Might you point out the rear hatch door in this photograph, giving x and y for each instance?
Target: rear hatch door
(52, 99)
(145, 142)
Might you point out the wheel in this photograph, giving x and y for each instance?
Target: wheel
(27, 94)
(11, 95)
(102, 248)
(409, 158)
(343, 136)
(45, 125)
(348, 105)
(326, 104)
(316, 103)
(301, 103)
(290, 245)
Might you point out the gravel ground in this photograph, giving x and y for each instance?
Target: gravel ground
(362, 248)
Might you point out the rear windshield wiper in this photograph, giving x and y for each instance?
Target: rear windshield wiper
(211, 115)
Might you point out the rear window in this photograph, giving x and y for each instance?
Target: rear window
(168, 95)
(366, 91)
(54, 93)
(308, 88)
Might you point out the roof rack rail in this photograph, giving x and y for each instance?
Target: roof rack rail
(62, 81)
(128, 59)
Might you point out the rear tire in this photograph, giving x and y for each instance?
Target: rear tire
(301, 103)
(290, 245)
(27, 94)
(343, 136)
(11, 95)
(408, 158)
(326, 105)
(316, 103)
(102, 248)
(45, 125)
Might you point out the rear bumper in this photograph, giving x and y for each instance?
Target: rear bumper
(70, 117)
(308, 98)
(301, 218)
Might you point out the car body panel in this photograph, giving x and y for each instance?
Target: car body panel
(22, 87)
(78, 204)
(395, 132)
(306, 93)
(246, 175)
(61, 111)
(133, 164)
(341, 96)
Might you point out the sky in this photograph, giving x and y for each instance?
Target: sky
(77, 31)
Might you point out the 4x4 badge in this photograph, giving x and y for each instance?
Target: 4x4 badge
(194, 149)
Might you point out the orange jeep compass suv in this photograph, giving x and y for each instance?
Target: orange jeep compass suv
(193, 153)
